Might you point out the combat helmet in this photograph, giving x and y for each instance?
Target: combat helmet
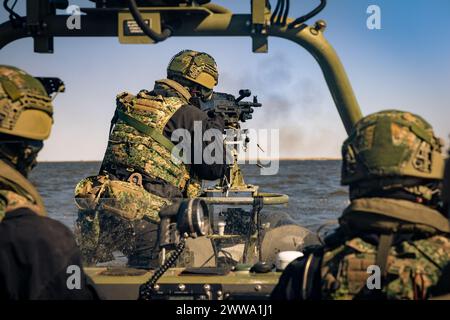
(389, 147)
(26, 110)
(198, 67)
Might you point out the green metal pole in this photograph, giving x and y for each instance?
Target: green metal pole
(309, 37)
(201, 21)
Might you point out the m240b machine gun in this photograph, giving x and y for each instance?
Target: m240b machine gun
(232, 109)
(242, 225)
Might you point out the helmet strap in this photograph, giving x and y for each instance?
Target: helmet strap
(21, 154)
(194, 89)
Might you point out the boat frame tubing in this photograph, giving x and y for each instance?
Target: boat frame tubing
(202, 21)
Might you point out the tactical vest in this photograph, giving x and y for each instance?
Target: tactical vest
(17, 192)
(407, 271)
(136, 146)
(137, 142)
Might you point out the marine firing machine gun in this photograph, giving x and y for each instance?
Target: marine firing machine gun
(192, 218)
(234, 111)
(242, 225)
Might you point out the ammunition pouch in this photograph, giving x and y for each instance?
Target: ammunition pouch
(124, 199)
(345, 266)
(137, 142)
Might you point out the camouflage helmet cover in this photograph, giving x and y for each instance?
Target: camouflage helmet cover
(391, 143)
(198, 67)
(25, 108)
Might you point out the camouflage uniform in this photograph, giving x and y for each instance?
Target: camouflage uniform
(16, 192)
(130, 154)
(393, 164)
(416, 258)
(22, 100)
(35, 251)
(128, 148)
(120, 200)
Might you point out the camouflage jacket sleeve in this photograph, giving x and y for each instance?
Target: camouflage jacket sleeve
(184, 118)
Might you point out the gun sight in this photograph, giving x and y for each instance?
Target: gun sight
(243, 93)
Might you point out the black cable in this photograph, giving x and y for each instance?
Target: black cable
(13, 16)
(286, 13)
(228, 257)
(134, 10)
(8, 9)
(258, 203)
(146, 290)
(280, 15)
(275, 12)
(309, 15)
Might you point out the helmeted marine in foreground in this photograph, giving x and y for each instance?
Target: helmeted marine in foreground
(35, 251)
(394, 230)
(119, 208)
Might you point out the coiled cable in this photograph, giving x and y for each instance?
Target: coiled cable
(309, 15)
(147, 289)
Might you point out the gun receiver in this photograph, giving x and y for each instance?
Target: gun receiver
(232, 109)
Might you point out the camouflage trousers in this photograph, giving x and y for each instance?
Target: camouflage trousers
(100, 234)
(117, 215)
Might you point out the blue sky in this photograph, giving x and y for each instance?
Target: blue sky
(405, 65)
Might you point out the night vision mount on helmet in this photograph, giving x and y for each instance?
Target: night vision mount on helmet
(26, 109)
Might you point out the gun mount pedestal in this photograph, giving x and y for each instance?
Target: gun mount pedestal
(247, 223)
